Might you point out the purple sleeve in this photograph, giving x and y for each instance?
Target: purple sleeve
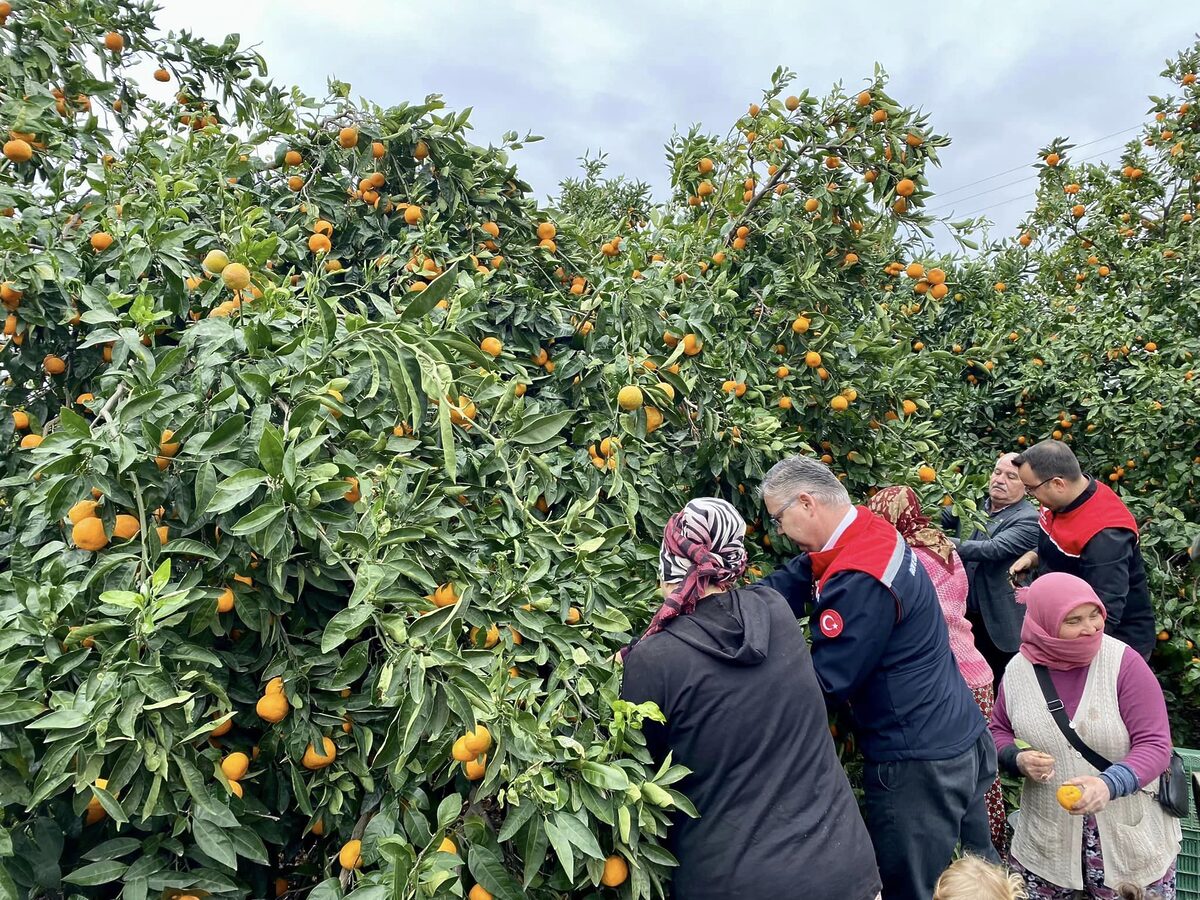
(1144, 712)
(1000, 725)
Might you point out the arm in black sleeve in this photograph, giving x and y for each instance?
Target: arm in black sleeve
(1018, 538)
(845, 655)
(641, 682)
(1104, 564)
(794, 581)
(950, 523)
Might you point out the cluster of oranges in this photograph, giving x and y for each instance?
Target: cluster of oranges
(471, 750)
(931, 282)
(605, 455)
(87, 528)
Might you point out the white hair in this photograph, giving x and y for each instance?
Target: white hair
(801, 474)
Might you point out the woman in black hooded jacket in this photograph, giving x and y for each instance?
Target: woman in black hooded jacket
(731, 671)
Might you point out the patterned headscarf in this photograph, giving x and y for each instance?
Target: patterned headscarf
(902, 507)
(702, 547)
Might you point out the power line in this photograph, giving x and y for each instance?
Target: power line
(1034, 177)
(1026, 165)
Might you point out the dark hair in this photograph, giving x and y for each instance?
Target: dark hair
(1050, 459)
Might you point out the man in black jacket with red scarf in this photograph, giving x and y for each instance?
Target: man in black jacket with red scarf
(1087, 531)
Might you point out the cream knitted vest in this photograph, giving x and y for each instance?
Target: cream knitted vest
(1139, 840)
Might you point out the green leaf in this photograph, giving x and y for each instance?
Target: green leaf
(227, 432)
(270, 450)
(215, 842)
(111, 805)
(448, 810)
(344, 625)
(542, 428)
(236, 488)
(61, 719)
(604, 776)
(328, 317)
(435, 292)
(258, 519)
(329, 889)
(114, 849)
(446, 430)
(97, 873)
(248, 844)
(487, 869)
(578, 834)
(73, 423)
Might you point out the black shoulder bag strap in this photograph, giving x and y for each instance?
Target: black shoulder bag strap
(1055, 706)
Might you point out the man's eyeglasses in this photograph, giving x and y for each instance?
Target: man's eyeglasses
(1030, 488)
(775, 519)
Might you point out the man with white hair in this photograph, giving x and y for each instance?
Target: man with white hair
(1011, 531)
(880, 645)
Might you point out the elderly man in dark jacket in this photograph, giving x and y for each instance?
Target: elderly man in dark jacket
(880, 645)
(1011, 531)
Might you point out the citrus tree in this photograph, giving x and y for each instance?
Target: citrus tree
(1082, 327)
(337, 467)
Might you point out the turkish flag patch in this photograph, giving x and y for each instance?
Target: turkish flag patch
(830, 623)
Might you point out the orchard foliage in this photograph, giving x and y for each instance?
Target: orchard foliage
(337, 467)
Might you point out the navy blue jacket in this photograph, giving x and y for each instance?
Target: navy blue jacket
(890, 662)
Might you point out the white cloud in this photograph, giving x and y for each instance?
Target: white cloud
(1002, 79)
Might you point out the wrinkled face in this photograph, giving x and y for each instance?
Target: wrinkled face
(797, 517)
(1083, 621)
(1005, 487)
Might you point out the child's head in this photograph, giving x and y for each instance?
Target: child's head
(1133, 892)
(971, 878)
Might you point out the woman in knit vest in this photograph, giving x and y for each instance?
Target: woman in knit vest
(1115, 832)
(939, 559)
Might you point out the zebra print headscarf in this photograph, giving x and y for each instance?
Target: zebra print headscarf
(702, 547)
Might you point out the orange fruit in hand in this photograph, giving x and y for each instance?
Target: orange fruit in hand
(1068, 795)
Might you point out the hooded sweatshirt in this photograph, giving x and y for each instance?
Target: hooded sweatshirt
(746, 715)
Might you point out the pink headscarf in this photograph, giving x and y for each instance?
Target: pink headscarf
(1049, 599)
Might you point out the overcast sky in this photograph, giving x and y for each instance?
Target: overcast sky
(1001, 79)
